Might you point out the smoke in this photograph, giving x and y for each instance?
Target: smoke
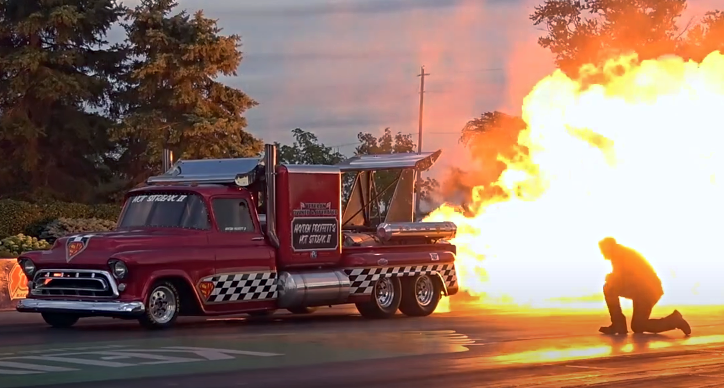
(338, 68)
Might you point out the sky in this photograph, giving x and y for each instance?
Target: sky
(340, 67)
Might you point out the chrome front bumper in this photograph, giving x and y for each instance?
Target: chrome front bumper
(81, 307)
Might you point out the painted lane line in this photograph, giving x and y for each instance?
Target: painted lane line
(106, 358)
(80, 361)
(29, 368)
(61, 350)
(158, 359)
(212, 354)
(118, 357)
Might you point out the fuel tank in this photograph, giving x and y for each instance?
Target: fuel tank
(313, 288)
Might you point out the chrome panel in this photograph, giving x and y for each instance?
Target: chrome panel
(207, 170)
(86, 283)
(309, 289)
(113, 308)
(420, 162)
(311, 169)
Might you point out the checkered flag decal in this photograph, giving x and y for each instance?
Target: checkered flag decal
(245, 286)
(363, 279)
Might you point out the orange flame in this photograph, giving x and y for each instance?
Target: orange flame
(637, 159)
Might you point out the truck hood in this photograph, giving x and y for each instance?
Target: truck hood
(95, 248)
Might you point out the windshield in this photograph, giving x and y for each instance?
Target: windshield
(165, 210)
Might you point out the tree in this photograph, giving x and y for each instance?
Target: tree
(56, 75)
(172, 98)
(706, 37)
(307, 149)
(491, 139)
(592, 31)
(389, 144)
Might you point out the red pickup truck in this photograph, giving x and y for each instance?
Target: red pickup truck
(230, 236)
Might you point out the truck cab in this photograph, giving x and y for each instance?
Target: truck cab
(229, 236)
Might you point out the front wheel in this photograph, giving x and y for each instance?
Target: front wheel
(162, 307)
(60, 320)
(420, 296)
(385, 299)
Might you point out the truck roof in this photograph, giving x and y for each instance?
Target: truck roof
(212, 176)
(206, 189)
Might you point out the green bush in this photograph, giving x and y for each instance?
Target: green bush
(32, 218)
(13, 246)
(68, 226)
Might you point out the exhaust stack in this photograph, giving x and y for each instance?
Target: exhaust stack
(270, 163)
(166, 160)
(433, 230)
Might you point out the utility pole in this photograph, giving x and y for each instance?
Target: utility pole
(419, 141)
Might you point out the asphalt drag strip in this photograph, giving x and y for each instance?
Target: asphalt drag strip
(339, 348)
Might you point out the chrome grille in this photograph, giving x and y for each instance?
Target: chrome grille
(75, 283)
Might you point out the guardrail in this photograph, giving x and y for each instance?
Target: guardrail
(13, 284)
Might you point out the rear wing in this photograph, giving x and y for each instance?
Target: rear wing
(419, 162)
(364, 199)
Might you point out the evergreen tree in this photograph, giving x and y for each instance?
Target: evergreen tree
(172, 98)
(56, 72)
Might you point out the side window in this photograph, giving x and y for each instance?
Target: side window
(232, 215)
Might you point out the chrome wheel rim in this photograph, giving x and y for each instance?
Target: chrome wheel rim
(162, 305)
(424, 290)
(384, 292)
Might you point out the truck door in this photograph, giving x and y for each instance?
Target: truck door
(242, 253)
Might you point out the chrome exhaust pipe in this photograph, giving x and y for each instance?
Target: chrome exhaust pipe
(270, 163)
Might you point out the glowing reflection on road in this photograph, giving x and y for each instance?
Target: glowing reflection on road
(621, 345)
(553, 354)
(705, 340)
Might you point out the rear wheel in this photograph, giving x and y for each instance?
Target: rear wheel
(420, 296)
(60, 320)
(162, 307)
(385, 299)
(302, 310)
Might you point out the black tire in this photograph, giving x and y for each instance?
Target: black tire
(60, 320)
(420, 295)
(261, 313)
(384, 301)
(302, 310)
(157, 315)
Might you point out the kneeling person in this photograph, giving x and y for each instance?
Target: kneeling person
(634, 278)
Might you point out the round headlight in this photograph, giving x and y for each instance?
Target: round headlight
(119, 269)
(28, 267)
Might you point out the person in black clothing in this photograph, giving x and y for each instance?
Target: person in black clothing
(634, 278)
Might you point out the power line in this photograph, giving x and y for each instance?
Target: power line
(418, 198)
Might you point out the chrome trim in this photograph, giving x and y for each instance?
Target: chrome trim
(442, 282)
(119, 308)
(107, 281)
(311, 169)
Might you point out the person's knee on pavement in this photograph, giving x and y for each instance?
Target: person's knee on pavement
(638, 327)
